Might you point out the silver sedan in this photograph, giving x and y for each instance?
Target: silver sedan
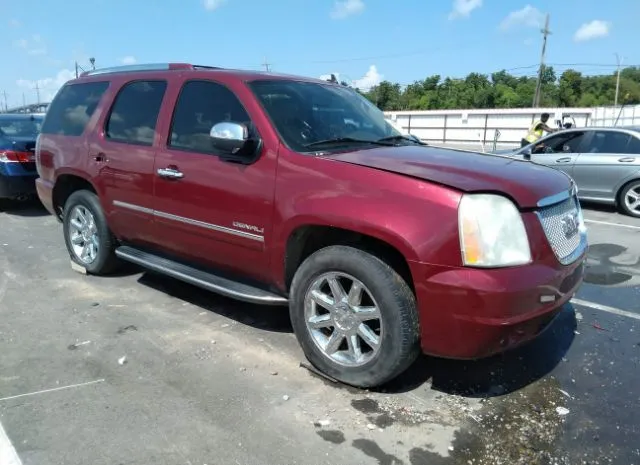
(604, 162)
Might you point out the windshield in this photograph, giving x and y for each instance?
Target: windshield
(305, 113)
(20, 126)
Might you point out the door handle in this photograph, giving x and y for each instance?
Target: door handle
(170, 173)
(627, 160)
(563, 160)
(100, 157)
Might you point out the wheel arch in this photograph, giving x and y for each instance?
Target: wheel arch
(66, 184)
(306, 238)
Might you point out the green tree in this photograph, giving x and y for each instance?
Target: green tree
(504, 90)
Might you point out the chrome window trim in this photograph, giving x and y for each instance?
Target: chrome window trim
(182, 219)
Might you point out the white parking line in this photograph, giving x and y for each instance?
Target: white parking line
(8, 454)
(606, 223)
(606, 308)
(51, 390)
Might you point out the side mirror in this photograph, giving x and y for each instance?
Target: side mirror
(234, 142)
(229, 137)
(526, 154)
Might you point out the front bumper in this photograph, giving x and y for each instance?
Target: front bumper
(470, 313)
(12, 187)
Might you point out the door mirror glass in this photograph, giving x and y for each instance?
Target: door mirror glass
(229, 137)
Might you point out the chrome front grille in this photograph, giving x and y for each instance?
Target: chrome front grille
(564, 227)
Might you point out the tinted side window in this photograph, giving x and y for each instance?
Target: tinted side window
(634, 146)
(562, 143)
(72, 108)
(609, 142)
(200, 106)
(134, 114)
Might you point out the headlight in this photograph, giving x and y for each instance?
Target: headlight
(492, 233)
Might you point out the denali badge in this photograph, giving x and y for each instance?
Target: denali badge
(570, 225)
(248, 227)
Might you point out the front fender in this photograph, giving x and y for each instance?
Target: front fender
(421, 229)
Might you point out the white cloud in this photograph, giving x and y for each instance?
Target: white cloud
(47, 86)
(371, 78)
(345, 8)
(463, 8)
(33, 46)
(14, 23)
(529, 16)
(128, 60)
(211, 5)
(593, 30)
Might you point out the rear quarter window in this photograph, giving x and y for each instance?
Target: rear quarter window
(72, 108)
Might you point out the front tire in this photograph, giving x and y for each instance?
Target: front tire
(354, 316)
(630, 199)
(88, 238)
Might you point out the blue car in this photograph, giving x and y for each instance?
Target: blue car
(18, 134)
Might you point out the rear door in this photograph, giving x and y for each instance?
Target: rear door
(560, 150)
(607, 160)
(208, 210)
(121, 154)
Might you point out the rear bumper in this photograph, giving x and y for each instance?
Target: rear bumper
(12, 187)
(471, 313)
(45, 193)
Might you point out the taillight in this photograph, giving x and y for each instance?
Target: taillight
(11, 156)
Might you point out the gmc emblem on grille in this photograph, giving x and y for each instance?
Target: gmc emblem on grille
(570, 225)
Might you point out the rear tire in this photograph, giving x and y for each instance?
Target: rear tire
(356, 359)
(89, 240)
(629, 199)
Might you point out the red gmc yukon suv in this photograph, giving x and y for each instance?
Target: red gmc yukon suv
(280, 190)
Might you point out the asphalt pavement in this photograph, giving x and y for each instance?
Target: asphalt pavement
(140, 369)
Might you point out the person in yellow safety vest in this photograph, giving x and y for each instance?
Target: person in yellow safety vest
(537, 129)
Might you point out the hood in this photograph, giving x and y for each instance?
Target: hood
(525, 182)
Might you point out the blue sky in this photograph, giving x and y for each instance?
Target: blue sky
(362, 40)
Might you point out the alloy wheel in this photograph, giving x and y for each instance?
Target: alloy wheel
(343, 319)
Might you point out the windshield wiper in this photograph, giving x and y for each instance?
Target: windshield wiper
(401, 137)
(348, 140)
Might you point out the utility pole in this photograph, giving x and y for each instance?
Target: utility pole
(38, 92)
(6, 105)
(545, 33)
(267, 65)
(619, 60)
(24, 102)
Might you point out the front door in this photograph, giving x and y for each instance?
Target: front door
(122, 155)
(207, 210)
(609, 158)
(559, 151)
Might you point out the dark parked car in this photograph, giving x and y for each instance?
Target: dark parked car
(249, 185)
(604, 163)
(18, 134)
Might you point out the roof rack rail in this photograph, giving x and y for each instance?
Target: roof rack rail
(145, 67)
